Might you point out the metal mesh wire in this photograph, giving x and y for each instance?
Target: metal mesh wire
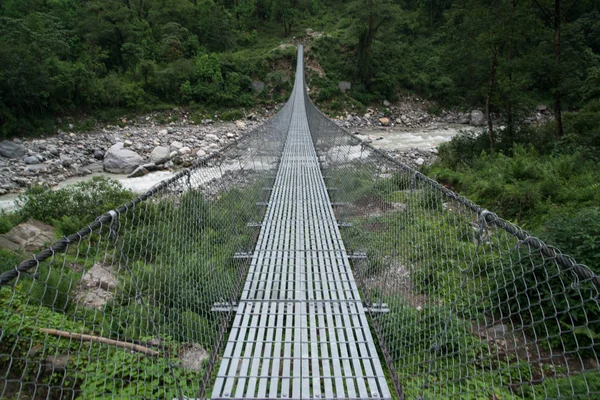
(463, 304)
(122, 309)
(468, 305)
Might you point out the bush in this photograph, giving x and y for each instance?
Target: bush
(79, 204)
(579, 233)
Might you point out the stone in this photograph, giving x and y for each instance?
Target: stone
(96, 287)
(207, 121)
(119, 160)
(230, 136)
(240, 124)
(251, 116)
(163, 132)
(386, 103)
(258, 86)
(200, 153)
(343, 86)
(55, 152)
(477, 118)
(98, 154)
(541, 108)
(463, 119)
(175, 146)
(211, 137)
(127, 143)
(139, 171)
(100, 276)
(58, 363)
(419, 161)
(384, 121)
(192, 356)
(160, 155)
(34, 159)
(29, 236)
(213, 146)
(185, 150)
(12, 149)
(399, 120)
(66, 161)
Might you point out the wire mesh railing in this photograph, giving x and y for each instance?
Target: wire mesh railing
(125, 307)
(137, 305)
(469, 306)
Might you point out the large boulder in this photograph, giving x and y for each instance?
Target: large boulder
(160, 155)
(477, 118)
(28, 236)
(119, 160)
(12, 149)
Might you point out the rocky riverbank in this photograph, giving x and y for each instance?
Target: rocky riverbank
(134, 150)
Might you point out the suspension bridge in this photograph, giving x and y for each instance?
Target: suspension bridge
(299, 263)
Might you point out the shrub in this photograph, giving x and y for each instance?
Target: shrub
(579, 233)
(82, 202)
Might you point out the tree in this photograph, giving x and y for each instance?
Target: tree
(553, 15)
(285, 13)
(370, 16)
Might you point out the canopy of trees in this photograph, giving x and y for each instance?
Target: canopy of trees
(65, 56)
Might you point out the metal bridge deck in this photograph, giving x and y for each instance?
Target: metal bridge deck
(300, 331)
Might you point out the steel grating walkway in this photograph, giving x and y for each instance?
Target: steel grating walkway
(300, 331)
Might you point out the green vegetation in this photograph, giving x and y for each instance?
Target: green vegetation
(113, 58)
(67, 209)
(549, 187)
(157, 251)
(443, 280)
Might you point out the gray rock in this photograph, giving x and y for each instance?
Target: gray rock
(160, 155)
(207, 121)
(30, 236)
(119, 160)
(192, 356)
(12, 149)
(419, 161)
(463, 119)
(163, 132)
(55, 152)
(66, 161)
(211, 137)
(185, 150)
(477, 118)
(100, 276)
(98, 154)
(58, 363)
(139, 171)
(34, 159)
(386, 103)
(343, 86)
(200, 153)
(175, 146)
(258, 86)
(127, 143)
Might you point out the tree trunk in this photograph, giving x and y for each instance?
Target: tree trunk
(557, 73)
(488, 101)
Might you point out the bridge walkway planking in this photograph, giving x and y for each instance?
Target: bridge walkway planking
(300, 330)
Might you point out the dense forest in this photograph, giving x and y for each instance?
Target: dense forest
(65, 57)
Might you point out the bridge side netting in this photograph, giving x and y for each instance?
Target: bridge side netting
(137, 304)
(465, 304)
